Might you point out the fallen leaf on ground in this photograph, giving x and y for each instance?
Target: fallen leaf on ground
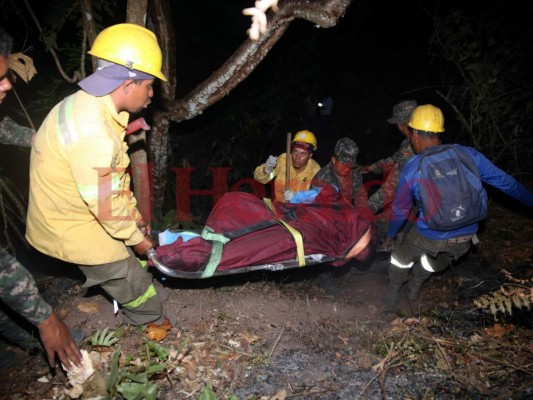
(498, 330)
(158, 332)
(89, 307)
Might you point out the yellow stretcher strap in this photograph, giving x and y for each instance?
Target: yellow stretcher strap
(297, 236)
(217, 243)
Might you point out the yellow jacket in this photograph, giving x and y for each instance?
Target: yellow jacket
(81, 208)
(299, 180)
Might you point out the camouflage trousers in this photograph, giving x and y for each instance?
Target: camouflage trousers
(21, 304)
(17, 331)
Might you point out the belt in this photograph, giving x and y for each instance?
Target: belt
(460, 239)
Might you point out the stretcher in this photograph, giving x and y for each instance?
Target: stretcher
(244, 233)
(312, 259)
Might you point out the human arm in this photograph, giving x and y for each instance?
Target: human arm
(98, 165)
(494, 176)
(266, 172)
(56, 339)
(403, 198)
(397, 159)
(365, 169)
(19, 292)
(13, 134)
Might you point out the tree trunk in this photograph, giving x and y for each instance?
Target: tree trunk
(161, 16)
(136, 14)
(88, 26)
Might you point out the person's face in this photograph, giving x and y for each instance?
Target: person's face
(139, 95)
(414, 139)
(300, 157)
(340, 168)
(5, 83)
(404, 129)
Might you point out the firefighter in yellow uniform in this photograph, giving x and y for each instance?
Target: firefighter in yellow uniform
(81, 209)
(302, 167)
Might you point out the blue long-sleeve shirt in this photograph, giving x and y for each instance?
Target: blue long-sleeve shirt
(407, 193)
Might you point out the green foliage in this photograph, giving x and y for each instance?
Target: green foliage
(154, 349)
(486, 72)
(62, 31)
(517, 294)
(170, 221)
(207, 394)
(133, 382)
(104, 338)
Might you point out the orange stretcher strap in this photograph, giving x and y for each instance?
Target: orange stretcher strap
(361, 244)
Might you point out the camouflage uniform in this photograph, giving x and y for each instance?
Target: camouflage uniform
(19, 292)
(14, 134)
(351, 187)
(390, 168)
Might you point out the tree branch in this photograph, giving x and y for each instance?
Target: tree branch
(76, 77)
(323, 13)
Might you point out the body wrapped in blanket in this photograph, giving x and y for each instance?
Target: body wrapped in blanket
(328, 226)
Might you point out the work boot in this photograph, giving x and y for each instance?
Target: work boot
(162, 292)
(397, 277)
(419, 276)
(414, 291)
(77, 335)
(392, 296)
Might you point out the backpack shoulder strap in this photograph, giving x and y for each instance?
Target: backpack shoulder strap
(466, 159)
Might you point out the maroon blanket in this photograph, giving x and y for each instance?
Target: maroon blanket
(328, 226)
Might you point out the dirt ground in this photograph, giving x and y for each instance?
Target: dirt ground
(294, 334)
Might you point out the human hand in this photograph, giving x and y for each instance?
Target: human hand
(366, 169)
(270, 164)
(142, 247)
(56, 339)
(386, 246)
(288, 195)
(145, 227)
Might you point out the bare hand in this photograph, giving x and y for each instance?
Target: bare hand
(366, 169)
(56, 339)
(141, 248)
(145, 227)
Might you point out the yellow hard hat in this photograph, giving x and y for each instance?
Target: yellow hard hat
(130, 45)
(427, 118)
(305, 137)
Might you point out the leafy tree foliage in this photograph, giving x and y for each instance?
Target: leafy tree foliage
(486, 71)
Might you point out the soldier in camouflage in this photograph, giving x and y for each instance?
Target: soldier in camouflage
(344, 173)
(14, 134)
(380, 202)
(18, 290)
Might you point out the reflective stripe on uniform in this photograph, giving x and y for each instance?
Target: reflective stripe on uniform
(394, 261)
(143, 298)
(89, 192)
(65, 121)
(425, 263)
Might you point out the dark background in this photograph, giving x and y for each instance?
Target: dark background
(377, 55)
